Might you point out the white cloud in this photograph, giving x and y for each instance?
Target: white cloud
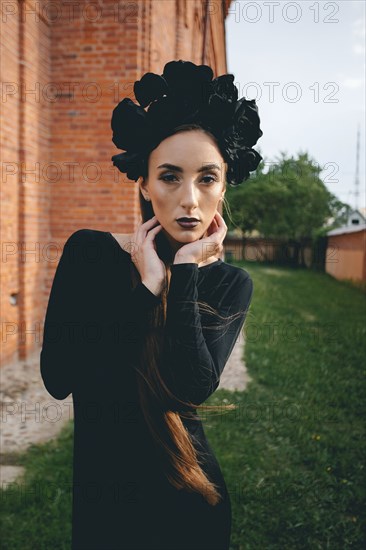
(353, 82)
(359, 33)
(359, 49)
(359, 28)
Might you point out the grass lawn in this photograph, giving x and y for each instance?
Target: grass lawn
(292, 453)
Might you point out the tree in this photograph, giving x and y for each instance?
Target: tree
(288, 201)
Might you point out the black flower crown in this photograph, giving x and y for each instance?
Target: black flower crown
(186, 93)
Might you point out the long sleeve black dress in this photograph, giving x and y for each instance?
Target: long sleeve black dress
(92, 331)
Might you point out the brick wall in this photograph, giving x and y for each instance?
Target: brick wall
(75, 62)
(25, 149)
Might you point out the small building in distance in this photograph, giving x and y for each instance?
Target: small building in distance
(346, 250)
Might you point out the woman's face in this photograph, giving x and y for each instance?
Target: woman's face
(188, 187)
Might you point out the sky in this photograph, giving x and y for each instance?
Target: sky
(304, 63)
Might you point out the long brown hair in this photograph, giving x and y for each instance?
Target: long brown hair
(181, 464)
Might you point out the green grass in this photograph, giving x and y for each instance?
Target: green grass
(292, 453)
(36, 509)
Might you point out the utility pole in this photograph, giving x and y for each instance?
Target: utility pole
(357, 176)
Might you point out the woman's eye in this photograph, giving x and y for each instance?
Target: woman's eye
(163, 177)
(212, 179)
(167, 176)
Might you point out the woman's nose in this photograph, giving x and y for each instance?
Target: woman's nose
(189, 196)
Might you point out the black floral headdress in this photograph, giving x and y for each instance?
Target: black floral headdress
(186, 93)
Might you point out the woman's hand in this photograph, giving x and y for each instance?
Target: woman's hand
(207, 246)
(144, 256)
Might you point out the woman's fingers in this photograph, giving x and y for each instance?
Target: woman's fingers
(143, 230)
(222, 227)
(153, 231)
(149, 223)
(150, 237)
(148, 227)
(220, 219)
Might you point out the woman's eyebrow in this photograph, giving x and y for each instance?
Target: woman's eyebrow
(211, 166)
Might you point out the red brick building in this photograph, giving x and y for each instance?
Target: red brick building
(64, 67)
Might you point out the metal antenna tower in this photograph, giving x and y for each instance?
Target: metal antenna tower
(357, 175)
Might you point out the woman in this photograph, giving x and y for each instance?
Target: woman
(139, 326)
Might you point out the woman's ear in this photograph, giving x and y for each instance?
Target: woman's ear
(143, 190)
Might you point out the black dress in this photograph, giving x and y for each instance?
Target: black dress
(93, 326)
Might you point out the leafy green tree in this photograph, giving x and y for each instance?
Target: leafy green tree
(289, 201)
